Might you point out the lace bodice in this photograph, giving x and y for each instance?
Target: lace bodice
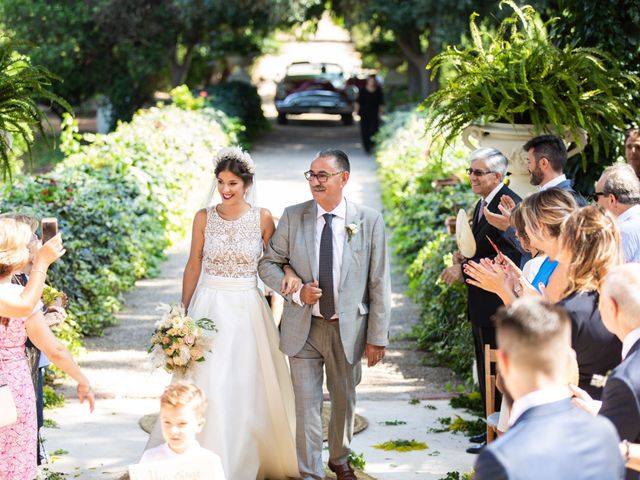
(232, 248)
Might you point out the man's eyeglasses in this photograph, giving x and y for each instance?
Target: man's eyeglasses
(595, 196)
(322, 177)
(478, 173)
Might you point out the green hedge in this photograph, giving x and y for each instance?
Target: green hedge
(120, 200)
(239, 100)
(415, 211)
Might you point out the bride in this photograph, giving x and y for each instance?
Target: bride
(250, 419)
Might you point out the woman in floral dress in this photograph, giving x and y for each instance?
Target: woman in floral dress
(18, 440)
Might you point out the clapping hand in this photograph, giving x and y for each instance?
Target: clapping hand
(583, 400)
(501, 220)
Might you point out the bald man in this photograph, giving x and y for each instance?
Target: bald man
(619, 307)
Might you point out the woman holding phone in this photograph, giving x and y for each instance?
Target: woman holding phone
(23, 304)
(18, 440)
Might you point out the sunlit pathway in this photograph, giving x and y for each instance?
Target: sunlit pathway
(102, 445)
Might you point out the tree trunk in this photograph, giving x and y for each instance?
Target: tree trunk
(420, 85)
(179, 70)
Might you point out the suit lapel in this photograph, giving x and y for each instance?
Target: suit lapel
(309, 225)
(347, 253)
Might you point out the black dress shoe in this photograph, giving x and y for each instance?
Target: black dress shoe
(476, 449)
(480, 438)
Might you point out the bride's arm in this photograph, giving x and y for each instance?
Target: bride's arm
(267, 226)
(194, 264)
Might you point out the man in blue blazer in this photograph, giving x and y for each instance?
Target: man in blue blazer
(549, 438)
(619, 307)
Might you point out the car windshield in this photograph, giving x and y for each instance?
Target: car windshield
(330, 71)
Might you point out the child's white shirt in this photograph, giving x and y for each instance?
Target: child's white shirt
(196, 452)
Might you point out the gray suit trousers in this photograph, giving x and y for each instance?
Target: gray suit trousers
(323, 349)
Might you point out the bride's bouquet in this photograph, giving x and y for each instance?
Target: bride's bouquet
(178, 341)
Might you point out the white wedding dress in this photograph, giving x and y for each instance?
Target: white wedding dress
(250, 418)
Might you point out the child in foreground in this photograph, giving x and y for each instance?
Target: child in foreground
(182, 407)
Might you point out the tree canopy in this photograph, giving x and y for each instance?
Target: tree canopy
(127, 49)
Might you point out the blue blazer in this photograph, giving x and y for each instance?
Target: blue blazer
(556, 441)
(621, 399)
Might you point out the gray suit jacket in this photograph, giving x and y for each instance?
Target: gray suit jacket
(365, 287)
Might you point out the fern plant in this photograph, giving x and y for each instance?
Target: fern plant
(22, 85)
(517, 75)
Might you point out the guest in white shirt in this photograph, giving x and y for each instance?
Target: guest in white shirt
(618, 190)
(182, 407)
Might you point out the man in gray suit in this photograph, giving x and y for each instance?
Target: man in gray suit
(340, 313)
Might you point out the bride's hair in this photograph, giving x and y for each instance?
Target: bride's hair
(236, 161)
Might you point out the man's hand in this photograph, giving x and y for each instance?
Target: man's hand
(452, 274)
(374, 354)
(581, 399)
(497, 220)
(458, 257)
(310, 293)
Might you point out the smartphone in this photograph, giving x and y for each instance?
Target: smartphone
(49, 229)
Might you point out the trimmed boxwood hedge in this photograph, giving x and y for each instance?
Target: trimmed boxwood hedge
(415, 211)
(120, 200)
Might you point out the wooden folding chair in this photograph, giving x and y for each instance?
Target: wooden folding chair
(492, 417)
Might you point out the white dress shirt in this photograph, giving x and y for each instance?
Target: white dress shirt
(339, 235)
(553, 182)
(629, 223)
(537, 398)
(629, 341)
(489, 198)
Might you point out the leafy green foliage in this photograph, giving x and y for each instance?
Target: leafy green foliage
(416, 210)
(401, 445)
(52, 399)
(239, 101)
(458, 476)
(393, 423)
(459, 424)
(518, 75)
(471, 402)
(117, 198)
(357, 461)
(22, 85)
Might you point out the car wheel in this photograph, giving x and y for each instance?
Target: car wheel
(282, 118)
(347, 119)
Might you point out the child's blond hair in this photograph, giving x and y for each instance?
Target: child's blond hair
(14, 242)
(181, 394)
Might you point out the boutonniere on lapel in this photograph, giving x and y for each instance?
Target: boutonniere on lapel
(352, 229)
(599, 381)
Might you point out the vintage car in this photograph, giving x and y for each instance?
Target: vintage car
(315, 88)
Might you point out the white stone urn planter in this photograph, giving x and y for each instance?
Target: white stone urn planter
(509, 139)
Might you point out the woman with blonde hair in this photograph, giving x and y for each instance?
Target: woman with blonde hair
(18, 440)
(538, 221)
(589, 246)
(23, 304)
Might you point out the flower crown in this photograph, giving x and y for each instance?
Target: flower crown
(237, 154)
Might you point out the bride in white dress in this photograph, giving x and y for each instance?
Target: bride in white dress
(250, 418)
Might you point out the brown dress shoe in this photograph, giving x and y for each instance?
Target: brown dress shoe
(343, 472)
